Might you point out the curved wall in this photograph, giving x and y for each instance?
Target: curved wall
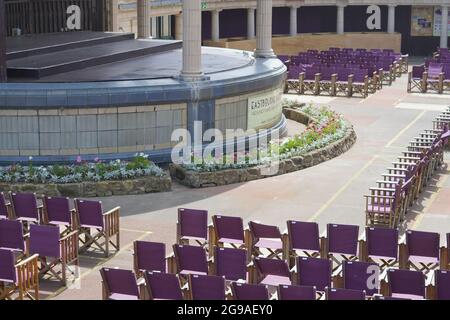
(57, 122)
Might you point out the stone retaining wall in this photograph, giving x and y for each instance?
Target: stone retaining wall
(139, 185)
(197, 179)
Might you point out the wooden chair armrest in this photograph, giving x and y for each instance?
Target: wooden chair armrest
(27, 260)
(69, 235)
(112, 211)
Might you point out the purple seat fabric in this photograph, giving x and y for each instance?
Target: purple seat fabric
(273, 271)
(229, 228)
(314, 272)
(406, 283)
(344, 294)
(150, 256)
(382, 242)
(121, 283)
(3, 207)
(7, 269)
(264, 231)
(417, 72)
(205, 287)
(342, 238)
(442, 282)
(90, 213)
(361, 276)
(286, 292)
(245, 291)
(44, 240)
(359, 75)
(25, 206)
(191, 259)
(163, 286)
(423, 244)
(231, 263)
(304, 235)
(58, 210)
(343, 74)
(11, 235)
(434, 70)
(193, 223)
(294, 72)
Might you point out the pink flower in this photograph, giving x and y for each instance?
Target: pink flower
(96, 159)
(79, 159)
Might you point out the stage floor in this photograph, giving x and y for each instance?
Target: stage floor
(95, 57)
(155, 66)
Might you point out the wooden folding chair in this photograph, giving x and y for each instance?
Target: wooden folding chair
(106, 225)
(21, 278)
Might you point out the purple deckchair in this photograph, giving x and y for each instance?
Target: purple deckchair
(91, 216)
(341, 241)
(57, 212)
(360, 82)
(162, 286)
(203, 287)
(422, 250)
(228, 230)
(230, 263)
(286, 292)
(406, 284)
(244, 291)
(119, 284)
(265, 238)
(344, 294)
(26, 285)
(442, 283)
(24, 207)
(381, 246)
(54, 251)
(272, 271)
(192, 224)
(303, 240)
(361, 276)
(314, 272)
(149, 256)
(11, 235)
(190, 259)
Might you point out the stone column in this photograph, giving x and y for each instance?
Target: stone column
(113, 16)
(293, 22)
(2, 42)
(143, 19)
(340, 19)
(178, 26)
(264, 29)
(192, 41)
(215, 25)
(391, 18)
(444, 27)
(251, 23)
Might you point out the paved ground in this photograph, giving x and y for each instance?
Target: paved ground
(330, 192)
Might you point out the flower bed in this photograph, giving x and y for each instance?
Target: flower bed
(138, 175)
(327, 136)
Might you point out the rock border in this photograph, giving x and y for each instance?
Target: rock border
(140, 185)
(195, 179)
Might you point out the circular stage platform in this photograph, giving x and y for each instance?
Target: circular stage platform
(109, 96)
